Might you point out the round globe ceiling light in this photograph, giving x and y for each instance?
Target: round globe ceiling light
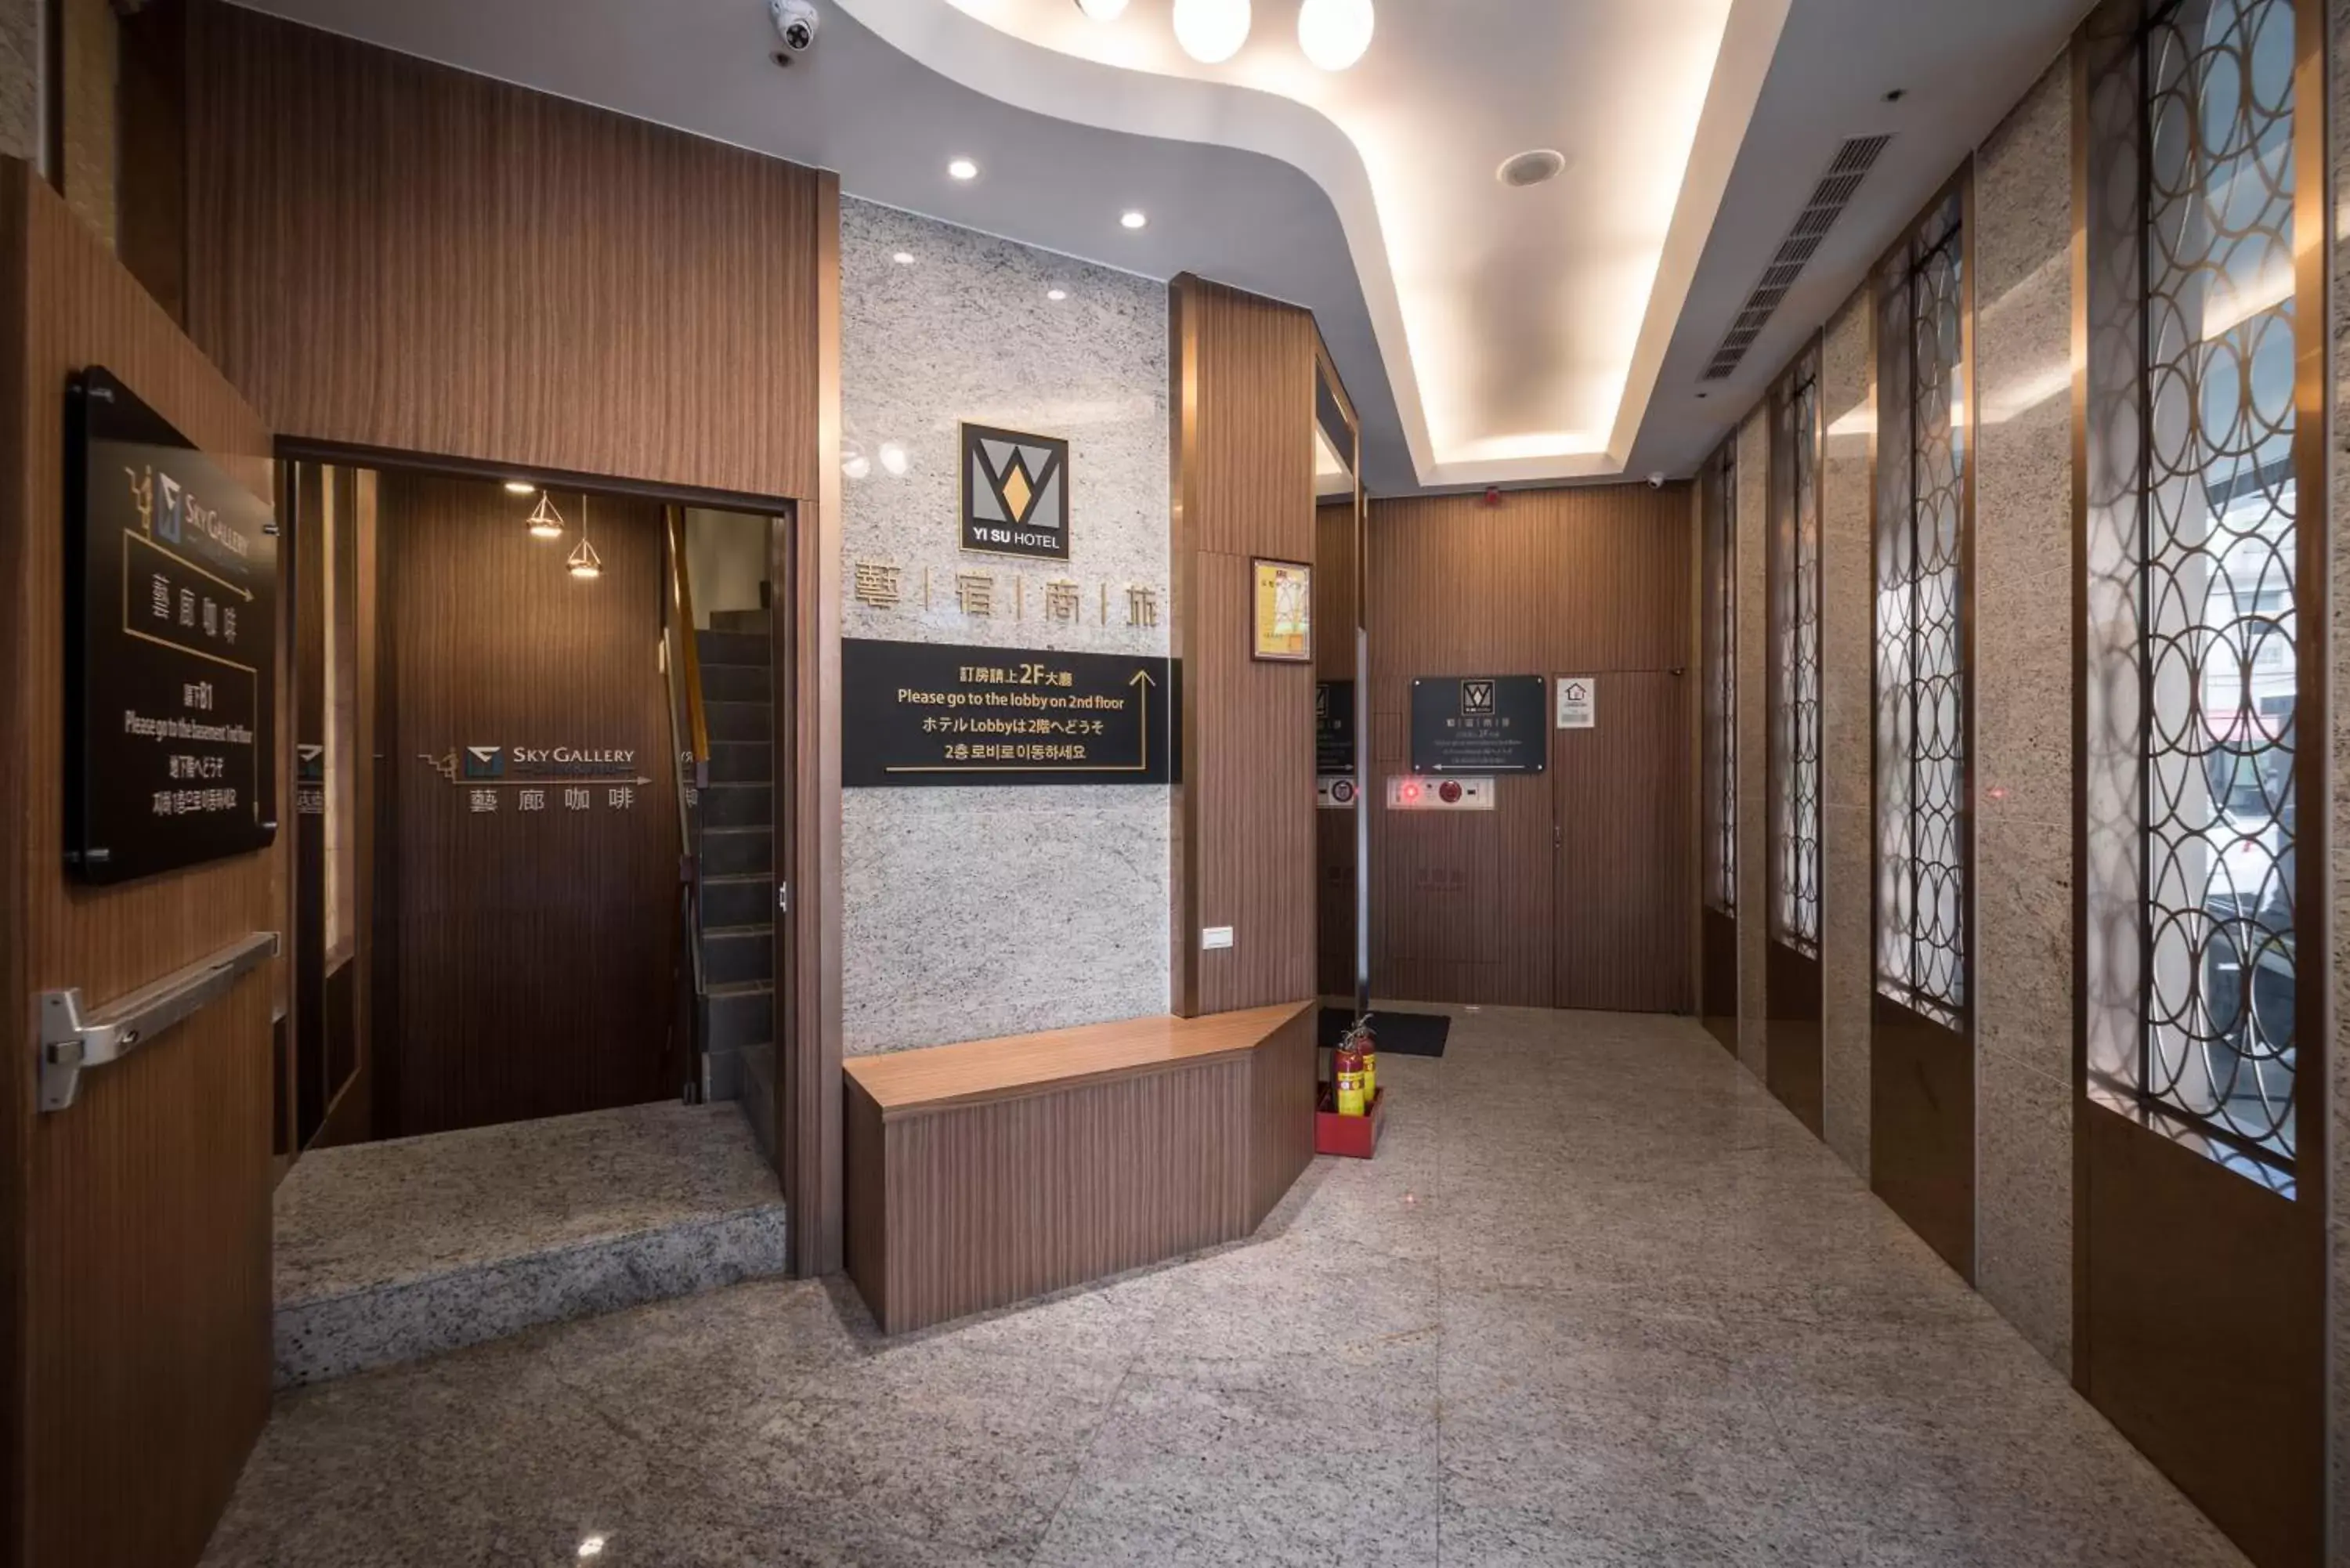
(1103, 10)
(1334, 33)
(1212, 31)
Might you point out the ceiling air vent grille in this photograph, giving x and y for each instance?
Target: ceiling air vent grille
(1851, 164)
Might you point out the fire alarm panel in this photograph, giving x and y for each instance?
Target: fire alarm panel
(1422, 794)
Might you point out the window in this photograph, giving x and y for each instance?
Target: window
(2202, 599)
(1719, 499)
(1794, 580)
(1924, 842)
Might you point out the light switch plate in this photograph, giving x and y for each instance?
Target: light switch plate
(1214, 937)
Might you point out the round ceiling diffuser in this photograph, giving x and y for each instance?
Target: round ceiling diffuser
(1530, 168)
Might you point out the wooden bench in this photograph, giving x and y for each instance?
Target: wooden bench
(988, 1172)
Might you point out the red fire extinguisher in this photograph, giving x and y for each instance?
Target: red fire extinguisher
(1367, 1046)
(1347, 1066)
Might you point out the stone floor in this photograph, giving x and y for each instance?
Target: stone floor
(1599, 1300)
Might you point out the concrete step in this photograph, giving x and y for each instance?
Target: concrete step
(732, 954)
(737, 683)
(730, 647)
(756, 620)
(739, 1015)
(396, 1251)
(737, 851)
(738, 721)
(737, 901)
(742, 761)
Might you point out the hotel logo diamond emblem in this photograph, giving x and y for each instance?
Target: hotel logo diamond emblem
(1015, 494)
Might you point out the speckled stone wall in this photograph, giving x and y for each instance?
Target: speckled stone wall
(2023, 716)
(968, 913)
(1754, 721)
(20, 79)
(1848, 403)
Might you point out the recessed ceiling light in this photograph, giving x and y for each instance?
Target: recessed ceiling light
(1532, 168)
(1103, 10)
(1333, 34)
(1132, 219)
(904, 258)
(1212, 31)
(1057, 294)
(521, 487)
(963, 169)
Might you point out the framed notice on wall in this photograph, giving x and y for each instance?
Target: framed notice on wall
(171, 646)
(1284, 622)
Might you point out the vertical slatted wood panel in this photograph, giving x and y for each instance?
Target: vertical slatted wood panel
(134, 1228)
(1623, 937)
(536, 949)
(1243, 487)
(386, 253)
(1590, 581)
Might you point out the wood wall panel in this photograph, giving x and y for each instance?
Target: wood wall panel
(1589, 581)
(534, 951)
(1623, 934)
(1242, 486)
(975, 1199)
(386, 253)
(134, 1228)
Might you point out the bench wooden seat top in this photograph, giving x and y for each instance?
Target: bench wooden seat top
(935, 1077)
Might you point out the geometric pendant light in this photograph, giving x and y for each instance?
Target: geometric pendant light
(584, 563)
(546, 522)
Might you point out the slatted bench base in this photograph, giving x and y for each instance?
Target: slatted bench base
(986, 1173)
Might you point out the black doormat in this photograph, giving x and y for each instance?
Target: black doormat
(1404, 1033)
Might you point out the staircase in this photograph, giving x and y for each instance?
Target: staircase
(738, 868)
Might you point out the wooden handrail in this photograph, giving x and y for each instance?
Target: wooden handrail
(680, 585)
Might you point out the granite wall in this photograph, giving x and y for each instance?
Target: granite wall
(1847, 702)
(20, 79)
(2023, 716)
(973, 912)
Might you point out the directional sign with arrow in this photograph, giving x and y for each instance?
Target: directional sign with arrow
(917, 713)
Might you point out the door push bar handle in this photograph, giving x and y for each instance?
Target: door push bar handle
(72, 1039)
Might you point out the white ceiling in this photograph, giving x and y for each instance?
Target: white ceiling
(1485, 334)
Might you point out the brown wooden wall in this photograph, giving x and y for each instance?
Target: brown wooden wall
(1476, 906)
(1243, 487)
(386, 253)
(134, 1226)
(530, 958)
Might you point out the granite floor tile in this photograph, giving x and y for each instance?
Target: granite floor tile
(1600, 1300)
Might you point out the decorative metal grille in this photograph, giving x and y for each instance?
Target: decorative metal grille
(2220, 641)
(1923, 859)
(1722, 681)
(1795, 665)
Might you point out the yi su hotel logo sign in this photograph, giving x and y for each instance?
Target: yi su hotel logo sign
(1015, 494)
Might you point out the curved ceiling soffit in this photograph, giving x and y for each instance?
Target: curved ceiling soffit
(1142, 103)
(945, 38)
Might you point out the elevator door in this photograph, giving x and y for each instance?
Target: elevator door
(1625, 887)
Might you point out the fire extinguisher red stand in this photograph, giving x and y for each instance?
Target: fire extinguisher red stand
(1356, 1137)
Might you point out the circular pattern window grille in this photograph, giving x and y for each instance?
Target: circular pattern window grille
(1795, 675)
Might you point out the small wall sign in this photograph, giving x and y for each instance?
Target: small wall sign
(1479, 725)
(1284, 612)
(918, 713)
(1334, 727)
(1578, 698)
(1015, 494)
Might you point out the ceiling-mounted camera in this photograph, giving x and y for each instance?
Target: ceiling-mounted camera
(796, 24)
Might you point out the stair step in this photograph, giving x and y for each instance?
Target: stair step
(752, 620)
(740, 721)
(737, 901)
(738, 851)
(731, 647)
(738, 805)
(732, 954)
(756, 1091)
(742, 761)
(737, 683)
(739, 1016)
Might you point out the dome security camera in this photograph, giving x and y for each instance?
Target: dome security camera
(795, 23)
(1657, 481)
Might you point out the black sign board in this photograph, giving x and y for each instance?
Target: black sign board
(940, 713)
(1479, 725)
(1334, 727)
(1015, 494)
(172, 646)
